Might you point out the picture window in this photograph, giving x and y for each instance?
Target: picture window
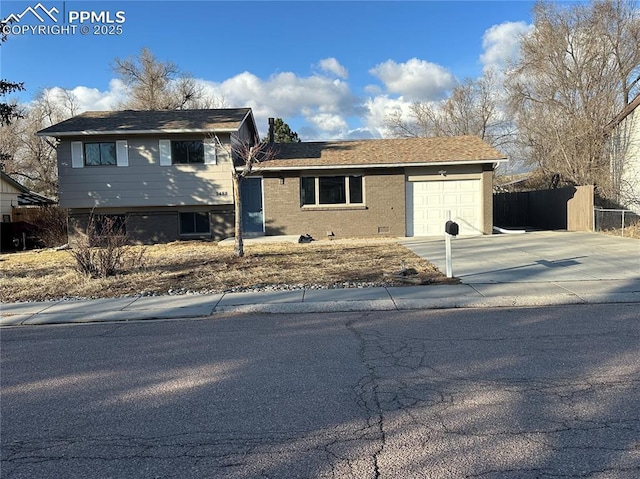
(332, 190)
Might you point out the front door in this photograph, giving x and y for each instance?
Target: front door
(252, 215)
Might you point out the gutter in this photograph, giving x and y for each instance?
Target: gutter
(380, 165)
(130, 132)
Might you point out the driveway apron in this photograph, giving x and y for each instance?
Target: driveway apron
(538, 257)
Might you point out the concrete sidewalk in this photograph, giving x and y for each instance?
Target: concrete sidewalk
(535, 269)
(471, 295)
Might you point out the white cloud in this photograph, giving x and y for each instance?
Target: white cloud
(330, 123)
(379, 107)
(324, 103)
(501, 43)
(331, 65)
(321, 101)
(416, 80)
(91, 99)
(319, 106)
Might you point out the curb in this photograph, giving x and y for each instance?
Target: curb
(33, 319)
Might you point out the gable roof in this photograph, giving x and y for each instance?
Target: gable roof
(626, 111)
(383, 153)
(26, 197)
(151, 121)
(6, 178)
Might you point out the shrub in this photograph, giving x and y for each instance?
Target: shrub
(105, 250)
(51, 224)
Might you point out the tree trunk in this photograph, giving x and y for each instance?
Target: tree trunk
(237, 201)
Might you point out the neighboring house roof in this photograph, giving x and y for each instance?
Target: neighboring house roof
(26, 197)
(626, 111)
(151, 121)
(383, 153)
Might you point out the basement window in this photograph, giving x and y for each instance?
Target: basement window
(194, 223)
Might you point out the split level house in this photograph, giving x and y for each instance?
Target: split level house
(624, 136)
(167, 175)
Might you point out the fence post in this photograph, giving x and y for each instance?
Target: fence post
(623, 223)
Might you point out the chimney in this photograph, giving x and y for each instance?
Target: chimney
(272, 123)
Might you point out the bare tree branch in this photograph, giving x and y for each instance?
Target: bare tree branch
(246, 156)
(157, 85)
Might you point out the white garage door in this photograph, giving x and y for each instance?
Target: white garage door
(429, 204)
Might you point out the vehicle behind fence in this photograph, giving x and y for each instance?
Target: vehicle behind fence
(623, 222)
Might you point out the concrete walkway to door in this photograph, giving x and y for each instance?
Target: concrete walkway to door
(538, 261)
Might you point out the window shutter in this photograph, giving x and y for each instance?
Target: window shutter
(165, 152)
(122, 153)
(210, 152)
(77, 155)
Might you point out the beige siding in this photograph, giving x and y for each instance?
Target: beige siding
(8, 198)
(626, 160)
(6, 201)
(631, 175)
(144, 183)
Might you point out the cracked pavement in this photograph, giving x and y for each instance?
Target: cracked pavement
(509, 393)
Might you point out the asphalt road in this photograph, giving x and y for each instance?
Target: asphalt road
(510, 393)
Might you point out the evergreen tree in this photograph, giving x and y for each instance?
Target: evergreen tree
(8, 111)
(283, 133)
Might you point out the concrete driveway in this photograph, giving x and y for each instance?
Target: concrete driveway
(539, 257)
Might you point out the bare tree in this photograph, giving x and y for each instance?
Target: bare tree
(157, 85)
(245, 155)
(577, 69)
(473, 108)
(31, 159)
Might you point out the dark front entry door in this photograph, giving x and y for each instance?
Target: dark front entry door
(252, 216)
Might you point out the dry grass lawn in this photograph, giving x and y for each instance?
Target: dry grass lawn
(207, 267)
(632, 231)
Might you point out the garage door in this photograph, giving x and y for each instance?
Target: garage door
(430, 202)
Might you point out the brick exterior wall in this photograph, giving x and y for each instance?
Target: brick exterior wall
(155, 226)
(383, 213)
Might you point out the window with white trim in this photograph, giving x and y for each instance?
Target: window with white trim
(99, 153)
(331, 190)
(187, 152)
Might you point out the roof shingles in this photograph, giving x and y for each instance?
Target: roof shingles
(132, 121)
(455, 149)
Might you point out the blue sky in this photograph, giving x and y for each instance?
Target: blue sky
(331, 69)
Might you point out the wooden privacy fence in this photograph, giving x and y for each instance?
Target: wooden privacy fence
(559, 209)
